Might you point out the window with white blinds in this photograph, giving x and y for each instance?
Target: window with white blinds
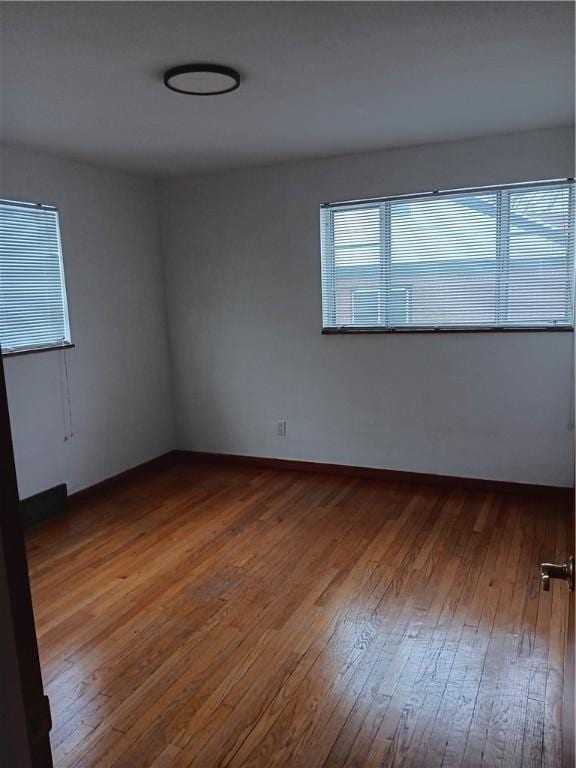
(488, 258)
(33, 307)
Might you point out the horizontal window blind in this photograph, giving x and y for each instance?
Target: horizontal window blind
(484, 258)
(33, 308)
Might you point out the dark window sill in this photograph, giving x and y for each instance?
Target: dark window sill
(36, 350)
(400, 331)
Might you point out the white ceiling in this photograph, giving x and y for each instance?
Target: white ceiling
(83, 79)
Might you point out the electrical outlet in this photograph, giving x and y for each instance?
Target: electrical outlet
(282, 428)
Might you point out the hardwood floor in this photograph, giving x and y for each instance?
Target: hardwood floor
(230, 616)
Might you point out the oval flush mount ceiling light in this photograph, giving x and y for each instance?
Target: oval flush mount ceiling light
(202, 79)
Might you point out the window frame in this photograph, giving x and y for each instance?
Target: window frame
(326, 239)
(67, 343)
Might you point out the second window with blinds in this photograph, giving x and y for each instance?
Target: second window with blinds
(33, 305)
(477, 259)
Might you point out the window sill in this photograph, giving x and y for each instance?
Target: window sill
(401, 331)
(36, 350)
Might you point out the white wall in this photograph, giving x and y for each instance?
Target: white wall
(242, 263)
(243, 279)
(120, 398)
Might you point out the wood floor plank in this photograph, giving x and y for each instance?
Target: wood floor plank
(213, 616)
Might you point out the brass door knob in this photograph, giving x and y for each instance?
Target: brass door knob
(551, 571)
